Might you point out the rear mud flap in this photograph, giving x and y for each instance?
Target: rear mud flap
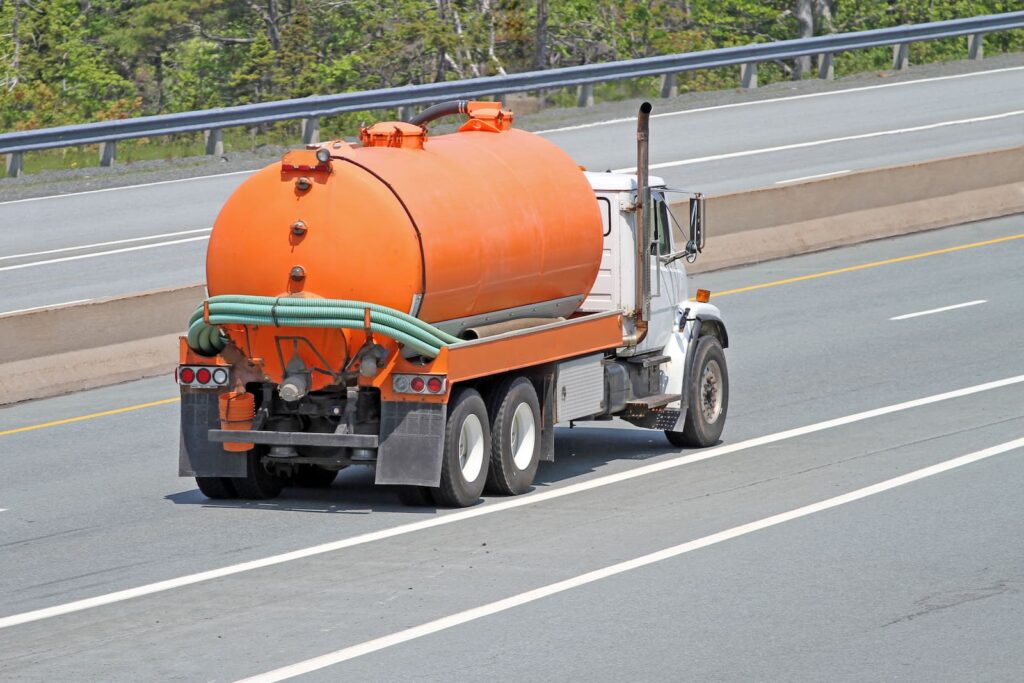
(411, 443)
(197, 455)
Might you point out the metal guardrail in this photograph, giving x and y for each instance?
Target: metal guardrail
(310, 109)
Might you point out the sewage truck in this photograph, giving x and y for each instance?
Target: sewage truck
(432, 306)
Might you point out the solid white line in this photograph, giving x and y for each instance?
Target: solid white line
(36, 308)
(940, 310)
(777, 100)
(453, 620)
(125, 187)
(490, 508)
(103, 253)
(104, 244)
(828, 141)
(810, 177)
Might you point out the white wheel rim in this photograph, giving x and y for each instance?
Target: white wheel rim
(523, 437)
(711, 392)
(471, 448)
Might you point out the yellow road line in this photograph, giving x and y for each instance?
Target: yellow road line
(90, 416)
(873, 264)
(740, 290)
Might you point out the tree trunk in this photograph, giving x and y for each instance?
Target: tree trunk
(16, 40)
(442, 55)
(540, 60)
(804, 13)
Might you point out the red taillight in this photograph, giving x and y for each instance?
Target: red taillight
(416, 384)
(186, 376)
(434, 385)
(203, 376)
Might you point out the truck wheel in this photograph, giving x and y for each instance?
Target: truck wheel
(708, 397)
(313, 477)
(415, 496)
(467, 445)
(258, 483)
(515, 437)
(216, 488)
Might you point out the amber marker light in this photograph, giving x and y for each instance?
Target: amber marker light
(703, 296)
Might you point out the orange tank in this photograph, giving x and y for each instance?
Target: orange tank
(479, 221)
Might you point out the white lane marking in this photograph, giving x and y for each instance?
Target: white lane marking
(939, 310)
(776, 100)
(810, 177)
(3, 509)
(37, 308)
(125, 187)
(827, 141)
(103, 244)
(103, 253)
(490, 508)
(453, 620)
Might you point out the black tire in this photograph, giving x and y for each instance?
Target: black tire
(455, 490)
(216, 488)
(504, 476)
(698, 430)
(313, 477)
(258, 483)
(415, 496)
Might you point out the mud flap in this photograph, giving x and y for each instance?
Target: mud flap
(411, 443)
(197, 455)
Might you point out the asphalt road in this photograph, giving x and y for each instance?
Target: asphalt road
(120, 241)
(919, 579)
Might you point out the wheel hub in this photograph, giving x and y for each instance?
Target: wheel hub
(711, 392)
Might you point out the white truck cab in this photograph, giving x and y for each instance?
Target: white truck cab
(675, 322)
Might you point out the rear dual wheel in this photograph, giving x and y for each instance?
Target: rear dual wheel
(467, 444)
(216, 488)
(515, 437)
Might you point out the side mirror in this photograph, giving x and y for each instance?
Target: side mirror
(696, 242)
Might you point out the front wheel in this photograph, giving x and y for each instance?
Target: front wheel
(708, 397)
(467, 446)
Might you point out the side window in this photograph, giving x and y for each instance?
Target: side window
(605, 205)
(662, 227)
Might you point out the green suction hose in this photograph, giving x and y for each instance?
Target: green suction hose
(206, 339)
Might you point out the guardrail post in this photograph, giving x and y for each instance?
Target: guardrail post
(748, 75)
(976, 46)
(901, 56)
(586, 98)
(669, 87)
(14, 161)
(826, 69)
(311, 130)
(214, 139)
(108, 153)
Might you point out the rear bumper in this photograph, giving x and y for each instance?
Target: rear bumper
(294, 438)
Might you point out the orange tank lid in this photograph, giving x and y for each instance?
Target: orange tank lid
(393, 134)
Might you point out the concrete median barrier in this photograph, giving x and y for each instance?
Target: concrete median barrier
(759, 225)
(57, 350)
(69, 348)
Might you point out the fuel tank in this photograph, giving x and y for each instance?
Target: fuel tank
(483, 224)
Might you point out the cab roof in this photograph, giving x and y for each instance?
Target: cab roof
(618, 182)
